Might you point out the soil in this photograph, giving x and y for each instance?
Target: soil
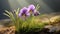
(7, 30)
(11, 30)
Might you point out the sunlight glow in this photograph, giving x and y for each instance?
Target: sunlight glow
(23, 2)
(17, 4)
(44, 6)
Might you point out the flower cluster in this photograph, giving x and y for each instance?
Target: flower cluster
(25, 12)
(24, 20)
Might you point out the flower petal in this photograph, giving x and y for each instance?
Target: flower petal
(36, 13)
(28, 14)
(23, 10)
(31, 7)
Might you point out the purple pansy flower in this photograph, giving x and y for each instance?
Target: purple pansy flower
(31, 8)
(36, 13)
(24, 12)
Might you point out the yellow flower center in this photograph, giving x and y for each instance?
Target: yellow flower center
(23, 15)
(30, 11)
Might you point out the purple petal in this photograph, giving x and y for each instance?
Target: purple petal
(31, 7)
(28, 14)
(23, 10)
(19, 15)
(36, 13)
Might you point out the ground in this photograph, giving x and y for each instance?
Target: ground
(7, 30)
(53, 24)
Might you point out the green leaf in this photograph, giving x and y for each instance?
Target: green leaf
(37, 7)
(6, 14)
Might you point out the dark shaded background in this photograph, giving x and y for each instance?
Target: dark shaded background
(53, 4)
(4, 5)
